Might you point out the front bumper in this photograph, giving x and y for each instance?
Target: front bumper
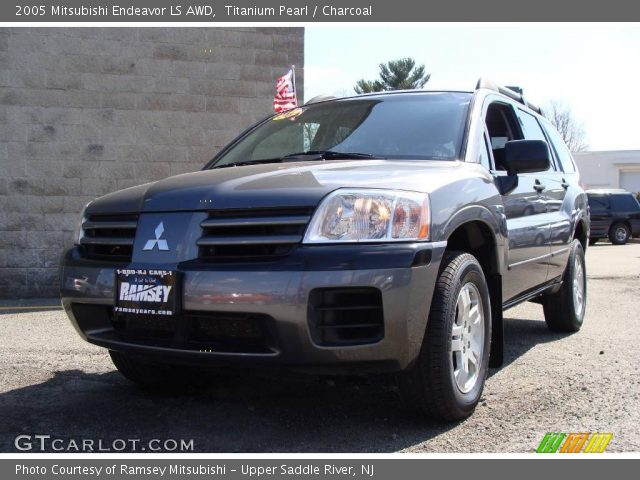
(404, 274)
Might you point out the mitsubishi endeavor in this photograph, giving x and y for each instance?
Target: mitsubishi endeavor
(379, 233)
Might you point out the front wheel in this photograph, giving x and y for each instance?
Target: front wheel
(564, 309)
(448, 377)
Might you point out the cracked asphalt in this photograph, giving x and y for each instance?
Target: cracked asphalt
(52, 383)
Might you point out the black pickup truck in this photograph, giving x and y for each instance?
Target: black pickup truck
(378, 233)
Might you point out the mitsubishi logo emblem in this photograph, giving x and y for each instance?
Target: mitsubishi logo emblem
(162, 244)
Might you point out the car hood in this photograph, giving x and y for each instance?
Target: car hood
(292, 184)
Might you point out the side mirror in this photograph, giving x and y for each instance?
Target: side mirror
(526, 156)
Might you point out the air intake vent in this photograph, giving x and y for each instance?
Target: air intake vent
(109, 237)
(252, 234)
(345, 316)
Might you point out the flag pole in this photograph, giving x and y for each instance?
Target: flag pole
(295, 90)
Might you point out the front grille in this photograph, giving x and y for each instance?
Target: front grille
(230, 332)
(227, 332)
(109, 237)
(257, 234)
(345, 316)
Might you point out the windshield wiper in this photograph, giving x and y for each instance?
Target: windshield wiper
(310, 155)
(331, 155)
(248, 162)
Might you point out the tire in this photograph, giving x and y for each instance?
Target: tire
(153, 376)
(563, 310)
(431, 384)
(619, 233)
(593, 241)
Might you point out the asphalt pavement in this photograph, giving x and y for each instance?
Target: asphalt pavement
(54, 384)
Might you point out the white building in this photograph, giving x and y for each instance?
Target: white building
(611, 169)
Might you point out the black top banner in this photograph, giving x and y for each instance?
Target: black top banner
(308, 11)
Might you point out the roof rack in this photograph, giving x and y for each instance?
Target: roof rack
(515, 93)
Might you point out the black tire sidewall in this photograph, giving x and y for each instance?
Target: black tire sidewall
(612, 234)
(576, 250)
(469, 271)
(559, 307)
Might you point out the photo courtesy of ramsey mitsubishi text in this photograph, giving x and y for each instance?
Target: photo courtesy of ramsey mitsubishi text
(318, 240)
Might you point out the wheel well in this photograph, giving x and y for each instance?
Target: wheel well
(476, 238)
(624, 222)
(581, 234)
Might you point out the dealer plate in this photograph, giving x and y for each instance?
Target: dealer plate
(146, 292)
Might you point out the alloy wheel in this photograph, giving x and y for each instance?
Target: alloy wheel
(467, 338)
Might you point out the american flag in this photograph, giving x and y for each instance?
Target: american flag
(286, 97)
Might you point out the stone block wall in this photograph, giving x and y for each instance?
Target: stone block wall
(86, 111)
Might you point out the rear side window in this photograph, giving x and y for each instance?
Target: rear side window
(624, 203)
(598, 203)
(562, 152)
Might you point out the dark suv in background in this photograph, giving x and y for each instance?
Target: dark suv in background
(378, 233)
(615, 214)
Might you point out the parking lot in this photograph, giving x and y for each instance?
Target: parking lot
(52, 383)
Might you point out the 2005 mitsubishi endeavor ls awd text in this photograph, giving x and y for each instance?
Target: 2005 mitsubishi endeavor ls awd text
(379, 233)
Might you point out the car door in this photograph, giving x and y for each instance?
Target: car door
(626, 208)
(556, 182)
(525, 208)
(600, 214)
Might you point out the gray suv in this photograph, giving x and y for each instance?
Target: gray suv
(378, 233)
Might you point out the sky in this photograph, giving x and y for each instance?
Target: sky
(594, 69)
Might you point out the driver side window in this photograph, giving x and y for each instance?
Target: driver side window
(502, 127)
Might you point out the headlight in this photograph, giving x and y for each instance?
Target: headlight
(359, 215)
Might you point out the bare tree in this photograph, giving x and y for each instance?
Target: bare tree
(571, 129)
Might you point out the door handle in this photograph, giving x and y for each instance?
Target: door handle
(538, 187)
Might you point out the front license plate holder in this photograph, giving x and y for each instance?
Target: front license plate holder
(144, 291)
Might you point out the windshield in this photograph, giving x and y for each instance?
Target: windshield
(414, 126)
